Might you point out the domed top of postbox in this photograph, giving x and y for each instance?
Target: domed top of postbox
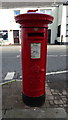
(31, 18)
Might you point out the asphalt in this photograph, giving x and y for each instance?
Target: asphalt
(11, 58)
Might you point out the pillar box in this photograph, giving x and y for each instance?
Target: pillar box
(34, 37)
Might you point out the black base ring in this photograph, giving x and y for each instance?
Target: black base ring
(33, 101)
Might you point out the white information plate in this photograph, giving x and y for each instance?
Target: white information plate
(35, 50)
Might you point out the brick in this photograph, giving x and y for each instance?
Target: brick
(48, 92)
(60, 93)
(50, 97)
(46, 85)
(52, 90)
(56, 96)
(65, 105)
(64, 101)
(64, 92)
(67, 95)
(58, 102)
(64, 98)
(51, 102)
(48, 81)
(56, 91)
(61, 105)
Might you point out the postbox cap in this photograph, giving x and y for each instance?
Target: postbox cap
(31, 18)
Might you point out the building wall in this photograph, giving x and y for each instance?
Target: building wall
(7, 22)
(67, 23)
(59, 20)
(53, 26)
(60, 14)
(63, 24)
(62, 21)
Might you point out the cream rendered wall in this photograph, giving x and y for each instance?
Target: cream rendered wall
(10, 37)
(67, 19)
(7, 22)
(60, 14)
(13, 26)
(10, 31)
(67, 14)
(4, 19)
(63, 24)
(53, 26)
(59, 20)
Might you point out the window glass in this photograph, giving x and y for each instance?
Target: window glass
(46, 11)
(42, 11)
(66, 33)
(67, 30)
(58, 32)
(67, 27)
(16, 12)
(4, 35)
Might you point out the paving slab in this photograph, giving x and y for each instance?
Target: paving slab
(36, 113)
(0, 114)
(13, 106)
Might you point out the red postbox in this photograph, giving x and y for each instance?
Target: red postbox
(34, 36)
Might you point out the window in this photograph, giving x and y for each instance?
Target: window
(67, 30)
(4, 35)
(66, 33)
(16, 12)
(67, 27)
(46, 11)
(58, 32)
(0, 36)
(42, 11)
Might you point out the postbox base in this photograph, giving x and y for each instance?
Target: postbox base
(33, 101)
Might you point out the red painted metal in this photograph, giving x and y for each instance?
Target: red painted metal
(34, 31)
(32, 10)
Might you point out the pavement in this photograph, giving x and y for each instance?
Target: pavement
(54, 107)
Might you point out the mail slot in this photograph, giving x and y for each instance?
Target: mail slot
(35, 34)
(34, 37)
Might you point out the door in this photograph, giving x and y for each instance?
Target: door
(16, 36)
(49, 36)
